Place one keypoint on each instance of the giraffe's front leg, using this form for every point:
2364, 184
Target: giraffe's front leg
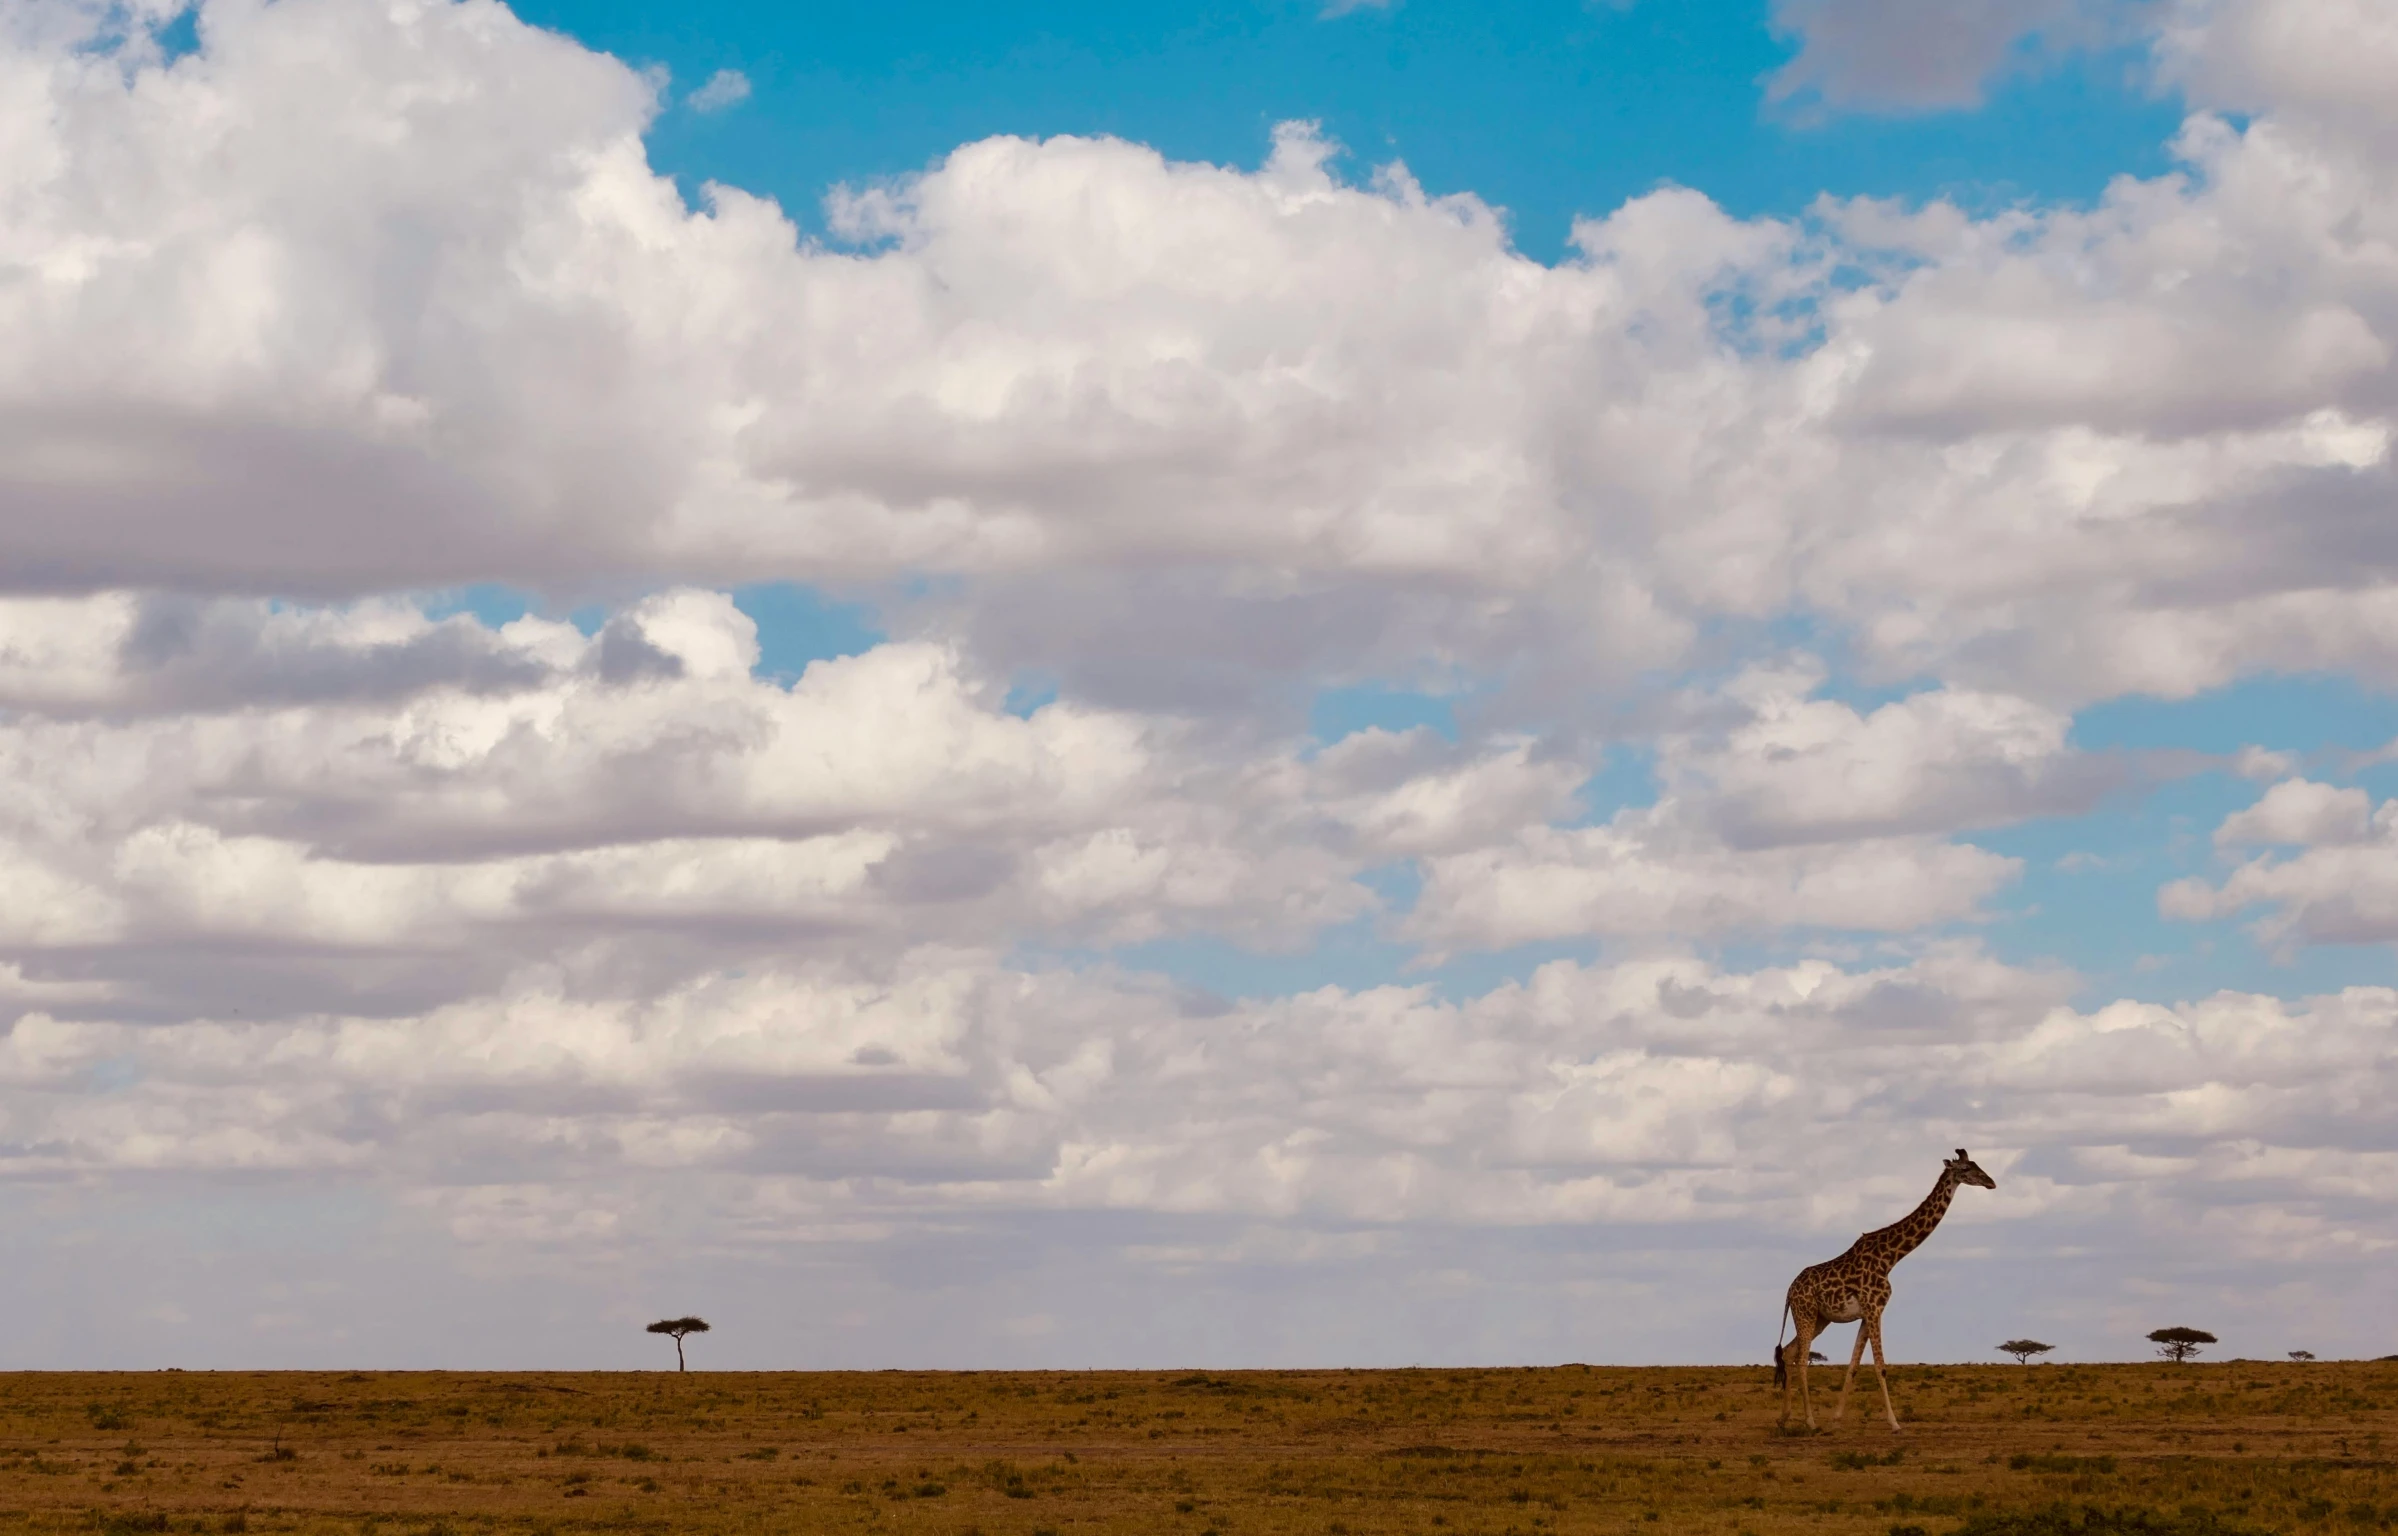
1872, 1329
1855, 1353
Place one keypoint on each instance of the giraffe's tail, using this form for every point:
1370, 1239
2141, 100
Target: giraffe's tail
1781, 1365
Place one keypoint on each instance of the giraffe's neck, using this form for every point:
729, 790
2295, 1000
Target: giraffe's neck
1894, 1242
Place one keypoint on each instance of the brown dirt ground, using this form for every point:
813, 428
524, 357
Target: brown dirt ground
2231, 1446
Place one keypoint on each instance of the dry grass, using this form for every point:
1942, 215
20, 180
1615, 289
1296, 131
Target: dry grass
2231, 1447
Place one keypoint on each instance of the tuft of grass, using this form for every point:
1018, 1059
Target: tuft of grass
2061, 1521
2029, 1461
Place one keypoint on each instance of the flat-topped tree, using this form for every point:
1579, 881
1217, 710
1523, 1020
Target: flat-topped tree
2179, 1344
2024, 1349
2302, 1356
676, 1328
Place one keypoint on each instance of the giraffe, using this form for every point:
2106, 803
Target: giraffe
1855, 1287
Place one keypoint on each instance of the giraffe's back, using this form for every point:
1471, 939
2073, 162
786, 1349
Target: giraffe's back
1840, 1290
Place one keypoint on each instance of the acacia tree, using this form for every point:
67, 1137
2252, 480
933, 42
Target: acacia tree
676, 1328
2179, 1344
2302, 1355
2024, 1349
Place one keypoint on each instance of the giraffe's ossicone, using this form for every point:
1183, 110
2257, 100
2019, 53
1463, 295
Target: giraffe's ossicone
1855, 1287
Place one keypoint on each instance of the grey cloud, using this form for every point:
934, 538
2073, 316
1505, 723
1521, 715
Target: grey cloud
1922, 55
1209, 638
853, 1094
944, 872
351, 819
189, 655
2321, 64
2329, 529
2343, 890
1771, 765
108, 494
1173, 640
1572, 1099
1661, 872
170, 979
625, 654
2287, 573
1964, 797
1263, 424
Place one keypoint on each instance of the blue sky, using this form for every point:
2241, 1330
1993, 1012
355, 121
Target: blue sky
1070, 705
1552, 110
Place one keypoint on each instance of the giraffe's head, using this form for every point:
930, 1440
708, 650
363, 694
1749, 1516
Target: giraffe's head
1965, 1170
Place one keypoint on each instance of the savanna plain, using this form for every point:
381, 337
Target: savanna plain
1996, 1450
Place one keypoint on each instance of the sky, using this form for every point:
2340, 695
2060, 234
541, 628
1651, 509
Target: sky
1215, 684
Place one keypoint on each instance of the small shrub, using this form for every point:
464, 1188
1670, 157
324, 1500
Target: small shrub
2034, 1461
2058, 1520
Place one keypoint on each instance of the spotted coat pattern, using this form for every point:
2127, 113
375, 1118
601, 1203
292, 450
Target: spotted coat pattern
1855, 1287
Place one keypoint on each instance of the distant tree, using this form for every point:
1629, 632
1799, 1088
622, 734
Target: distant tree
2179, 1344
676, 1328
2024, 1349
1815, 1357
2302, 1354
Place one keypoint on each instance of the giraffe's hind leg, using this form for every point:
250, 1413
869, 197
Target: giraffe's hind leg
1872, 1328
1800, 1348
1794, 1364
1854, 1354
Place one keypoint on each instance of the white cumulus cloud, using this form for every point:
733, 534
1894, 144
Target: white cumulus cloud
524, 937
723, 89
